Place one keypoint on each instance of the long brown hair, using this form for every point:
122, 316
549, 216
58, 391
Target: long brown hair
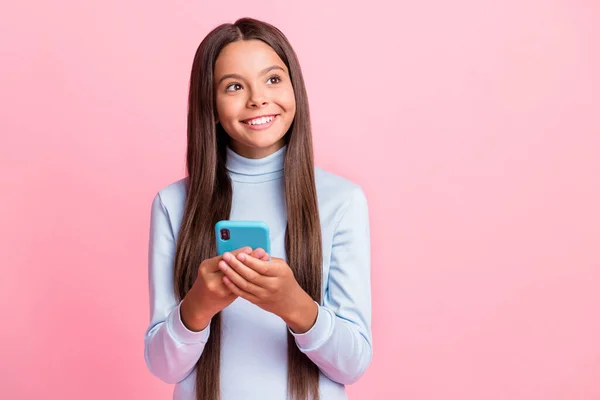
209, 193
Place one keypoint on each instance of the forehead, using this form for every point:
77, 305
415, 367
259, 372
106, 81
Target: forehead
246, 56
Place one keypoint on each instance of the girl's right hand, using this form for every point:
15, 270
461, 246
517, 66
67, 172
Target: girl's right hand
209, 294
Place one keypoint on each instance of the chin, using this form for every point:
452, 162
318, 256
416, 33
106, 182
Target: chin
261, 139
264, 144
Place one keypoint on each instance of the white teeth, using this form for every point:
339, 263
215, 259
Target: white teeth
259, 121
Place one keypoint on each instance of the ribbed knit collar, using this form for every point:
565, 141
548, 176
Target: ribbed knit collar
264, 169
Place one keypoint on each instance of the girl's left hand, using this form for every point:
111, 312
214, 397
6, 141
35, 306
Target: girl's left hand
271, 285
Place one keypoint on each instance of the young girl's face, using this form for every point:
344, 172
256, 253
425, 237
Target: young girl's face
254, 97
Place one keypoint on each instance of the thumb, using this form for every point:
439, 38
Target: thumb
246, 250
214, 265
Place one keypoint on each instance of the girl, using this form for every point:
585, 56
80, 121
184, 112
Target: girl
241, 327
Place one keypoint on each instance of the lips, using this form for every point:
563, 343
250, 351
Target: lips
261, 123
262, 119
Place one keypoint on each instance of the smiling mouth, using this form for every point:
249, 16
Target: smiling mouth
264, 120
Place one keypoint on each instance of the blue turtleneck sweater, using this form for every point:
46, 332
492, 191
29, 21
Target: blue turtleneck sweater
254, 341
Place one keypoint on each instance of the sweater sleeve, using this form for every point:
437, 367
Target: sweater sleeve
340, 341
170, 349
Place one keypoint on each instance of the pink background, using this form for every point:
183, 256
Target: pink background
473, 127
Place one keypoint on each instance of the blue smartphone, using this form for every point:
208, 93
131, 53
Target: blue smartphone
232, 235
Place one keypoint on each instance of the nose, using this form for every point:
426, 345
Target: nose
257, 98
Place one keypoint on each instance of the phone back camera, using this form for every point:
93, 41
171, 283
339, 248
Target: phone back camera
225, 234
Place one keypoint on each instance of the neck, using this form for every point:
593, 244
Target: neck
246, 169
256, 152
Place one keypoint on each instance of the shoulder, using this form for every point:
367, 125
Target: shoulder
334, 186
336, 194
168, 206
173, 196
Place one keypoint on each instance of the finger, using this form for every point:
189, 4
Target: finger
247, 273
261, 254
258, 253
212, 264
264, 268
238, 279
239, 292
246, 249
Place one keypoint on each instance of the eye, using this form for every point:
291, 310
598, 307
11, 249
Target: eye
273, 79
234, 87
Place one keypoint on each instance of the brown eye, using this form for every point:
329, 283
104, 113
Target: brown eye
234, 87
274, 79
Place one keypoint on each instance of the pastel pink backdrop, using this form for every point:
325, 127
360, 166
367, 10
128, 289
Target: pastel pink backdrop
472, 126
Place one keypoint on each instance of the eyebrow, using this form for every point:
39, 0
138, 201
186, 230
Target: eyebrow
236, 76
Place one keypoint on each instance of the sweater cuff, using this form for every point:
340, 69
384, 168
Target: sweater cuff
318, 333
180, 333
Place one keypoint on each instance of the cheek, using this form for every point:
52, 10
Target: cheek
220, 108
289, 101
225, 108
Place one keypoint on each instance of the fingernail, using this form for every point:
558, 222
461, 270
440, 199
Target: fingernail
241, 256
226, 256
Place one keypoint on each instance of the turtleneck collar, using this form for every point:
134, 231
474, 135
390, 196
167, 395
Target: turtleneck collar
264, 169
